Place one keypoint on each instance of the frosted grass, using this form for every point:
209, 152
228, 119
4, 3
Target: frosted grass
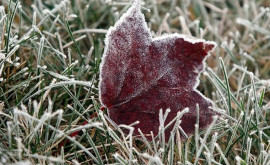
47, 90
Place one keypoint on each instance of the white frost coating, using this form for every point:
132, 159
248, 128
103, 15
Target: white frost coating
75, 162
116, 155
13, 50
185, 38
224, 44
136, 5
2, 19
2, 56
73, 16
46, 11
17, 64
126, 127
193, 41
48, 158
155, 158
95, 124
25, 162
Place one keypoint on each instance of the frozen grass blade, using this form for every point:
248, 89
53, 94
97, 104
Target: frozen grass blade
120, 159
10, 24
10, 53
60, 133
221, 153
74, 41
94, 148
240, 161
229, 146
198, 153
227, 87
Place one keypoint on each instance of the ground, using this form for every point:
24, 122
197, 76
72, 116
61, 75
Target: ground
50, 52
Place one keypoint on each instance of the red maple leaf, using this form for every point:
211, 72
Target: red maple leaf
141, 75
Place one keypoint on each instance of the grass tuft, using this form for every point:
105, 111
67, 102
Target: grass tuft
50, 53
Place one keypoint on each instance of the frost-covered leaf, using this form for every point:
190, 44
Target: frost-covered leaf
141, 75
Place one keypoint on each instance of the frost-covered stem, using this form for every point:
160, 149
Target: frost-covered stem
266, 159
50, 107
205, 138
223, 113
111, 132
240, 161
183, 132
261, 155
204, 145
155, 159
120, 159
216, 85
146, 141
45, 94
9, 125
71, 42
213, 141
125, 138
153, 140
222, 154
89, 55
171, 140
197, 136
34, 18
63, 155
41, 122
171, 151
240, 84
60, 133
234, 132
156, 13
184, 26
36, 110
60, 84
10, 53
19, 146
40, 50
161, 129
186, 110
186, 151
86, 126
163, 24
48, 158
16, 123
179, 145
54, 10
166, 114
130, 146
227, 86
258, 110
208, 157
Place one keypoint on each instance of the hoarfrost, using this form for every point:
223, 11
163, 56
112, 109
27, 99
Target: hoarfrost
141, 75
